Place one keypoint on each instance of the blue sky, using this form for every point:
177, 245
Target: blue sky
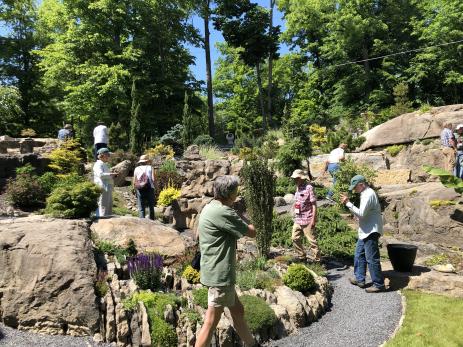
199, 69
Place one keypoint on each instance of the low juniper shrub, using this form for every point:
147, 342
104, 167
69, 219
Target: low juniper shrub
146, 269
258, 314
200, 297
299, 278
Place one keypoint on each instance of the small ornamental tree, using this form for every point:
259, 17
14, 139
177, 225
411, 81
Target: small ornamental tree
259, 187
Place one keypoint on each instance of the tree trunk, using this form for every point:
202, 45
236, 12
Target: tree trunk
270, 70
207, 48
261, 97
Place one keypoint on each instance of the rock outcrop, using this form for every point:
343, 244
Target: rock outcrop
413, 126
122, 170
148, 235
410, 213
46, 278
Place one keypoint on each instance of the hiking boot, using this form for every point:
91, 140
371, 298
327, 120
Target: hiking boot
374, 289
354, 281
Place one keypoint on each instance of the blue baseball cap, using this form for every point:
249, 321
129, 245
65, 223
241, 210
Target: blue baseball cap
356, 180
102, 150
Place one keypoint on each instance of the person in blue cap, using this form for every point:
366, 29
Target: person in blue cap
369, 232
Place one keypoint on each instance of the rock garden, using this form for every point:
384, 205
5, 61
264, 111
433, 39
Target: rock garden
128, 281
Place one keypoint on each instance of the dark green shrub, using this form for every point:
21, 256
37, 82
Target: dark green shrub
48, 182
320, 191
192, 316
77, 201
290, 157
173, 137
25, 191
282, 230
335, 237
203, 140
258, 314
26, 169
259, 189
299, 278
284, 185
162, 333
200, 297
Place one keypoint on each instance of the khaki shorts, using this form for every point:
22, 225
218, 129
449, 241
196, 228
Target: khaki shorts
221, 296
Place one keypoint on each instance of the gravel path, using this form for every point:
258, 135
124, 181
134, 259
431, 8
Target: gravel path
14, 338
356, 318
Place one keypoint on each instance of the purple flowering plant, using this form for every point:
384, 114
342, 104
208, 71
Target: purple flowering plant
146, 269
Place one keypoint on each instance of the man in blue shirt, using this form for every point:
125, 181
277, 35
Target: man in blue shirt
65, 133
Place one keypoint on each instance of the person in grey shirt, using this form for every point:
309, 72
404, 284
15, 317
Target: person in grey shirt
370, 229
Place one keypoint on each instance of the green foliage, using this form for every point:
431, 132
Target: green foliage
394, 150
191, 275
25, 191
335, 237
27, 169
290, 156
192, 316
203, 140
210, 152
68, 158
446, 178
48, 182
10, 110
120, 206
168, 166
163, 180
162, 333
441, 203
259, 279
200, 297
77, 201
338, 136
318, 268
349, 169
437, 259
299, 278
173, 138
118, 139
402, 103
257, 314
282, 229
320, 191
259, 188
284, 185
168, 195
101, 283
162, 151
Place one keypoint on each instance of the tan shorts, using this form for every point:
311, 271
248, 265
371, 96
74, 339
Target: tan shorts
221, 296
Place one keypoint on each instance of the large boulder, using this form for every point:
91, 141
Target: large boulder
413, 126
46, 278
122, 170
200, 176
148, 235
426, 212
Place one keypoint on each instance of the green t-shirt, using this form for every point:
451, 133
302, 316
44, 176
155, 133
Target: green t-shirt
219, 228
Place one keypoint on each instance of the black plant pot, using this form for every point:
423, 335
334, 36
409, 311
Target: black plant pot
402, 256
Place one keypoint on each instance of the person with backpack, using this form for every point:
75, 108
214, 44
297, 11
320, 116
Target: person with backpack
143, 182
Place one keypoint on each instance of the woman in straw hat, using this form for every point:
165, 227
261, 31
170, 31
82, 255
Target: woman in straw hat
143, 182
305, 212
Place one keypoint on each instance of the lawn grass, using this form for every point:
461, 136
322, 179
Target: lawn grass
430, 320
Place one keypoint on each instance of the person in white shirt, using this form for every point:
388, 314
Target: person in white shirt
370, 230
143, 182
103, 178
100, 137
333, 164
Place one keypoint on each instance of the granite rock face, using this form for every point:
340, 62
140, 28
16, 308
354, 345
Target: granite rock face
46, 278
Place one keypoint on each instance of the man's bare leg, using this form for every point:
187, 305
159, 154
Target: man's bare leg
204, 337
240, 325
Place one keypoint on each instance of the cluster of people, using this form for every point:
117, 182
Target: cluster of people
452, 148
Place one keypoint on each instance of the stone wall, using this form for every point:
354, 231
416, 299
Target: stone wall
9, 163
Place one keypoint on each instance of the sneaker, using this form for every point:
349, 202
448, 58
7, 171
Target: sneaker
374, 289
354, 281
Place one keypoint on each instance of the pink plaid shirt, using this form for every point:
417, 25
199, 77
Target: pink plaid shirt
306, 198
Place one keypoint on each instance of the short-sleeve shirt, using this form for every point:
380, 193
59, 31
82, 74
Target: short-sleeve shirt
336, 155
100, 134
148, 170
219, 228
64, 134
307, 200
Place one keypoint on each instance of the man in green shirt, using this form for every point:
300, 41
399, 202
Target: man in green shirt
219, 228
